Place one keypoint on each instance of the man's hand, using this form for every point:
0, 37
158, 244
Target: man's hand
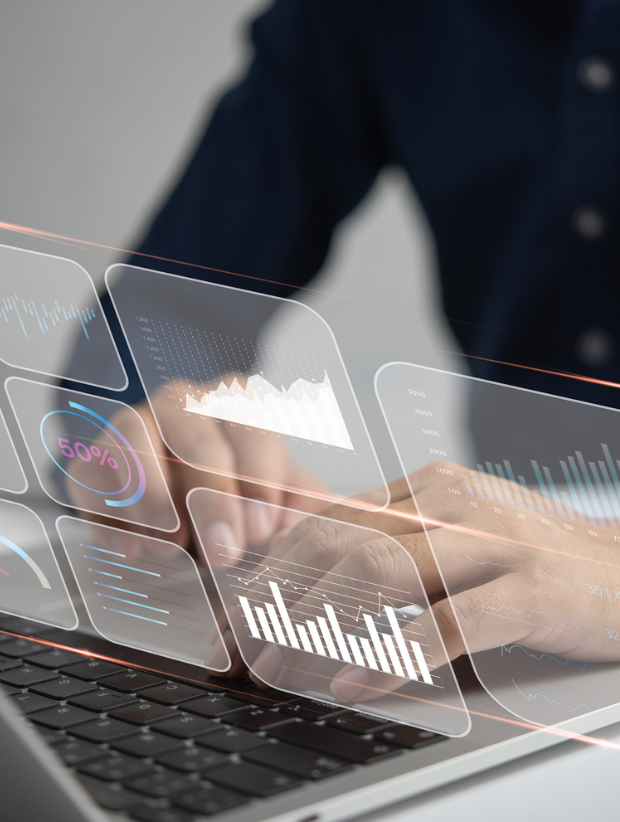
513, 576
239, 454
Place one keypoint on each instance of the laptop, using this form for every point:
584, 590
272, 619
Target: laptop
108, 711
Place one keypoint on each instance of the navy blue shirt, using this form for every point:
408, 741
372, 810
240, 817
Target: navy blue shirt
505, 114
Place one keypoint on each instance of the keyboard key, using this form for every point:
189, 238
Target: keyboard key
299, 761
6, 663
231, 740
309, 710
60, 717
262, 697
146, 814
212, 705
253, 779
110, 799
186, 726
160, 784
29, 703
142, 712
51, 737
145, 744
92, 669
131, 681
409, 737
102, 700
102, 730
25, 676
171, 693
77, 751
55, 658
114, 767
192, 760
333, 742
22, 647
255, 719
208, 799
359, 723
62, 688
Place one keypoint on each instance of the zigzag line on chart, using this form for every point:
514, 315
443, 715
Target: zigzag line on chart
528, 615
580, 665
285, 582
530, 697
553, 578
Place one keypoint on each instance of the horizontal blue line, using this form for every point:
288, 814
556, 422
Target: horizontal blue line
124, 590
146, 619
129, 567
105, 574
94, 548
137, 604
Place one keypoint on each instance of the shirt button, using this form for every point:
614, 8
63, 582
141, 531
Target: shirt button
588, 222
595, 74
595, 347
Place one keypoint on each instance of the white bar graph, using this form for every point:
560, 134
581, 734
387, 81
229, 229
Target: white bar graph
379, 651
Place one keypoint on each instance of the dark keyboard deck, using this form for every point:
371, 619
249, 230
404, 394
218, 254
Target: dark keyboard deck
165, 750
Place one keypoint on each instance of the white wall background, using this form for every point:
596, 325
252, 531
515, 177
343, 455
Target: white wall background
100, 103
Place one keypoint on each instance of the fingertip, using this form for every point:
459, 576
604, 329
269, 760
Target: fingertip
260, 520
221, 544
350, 685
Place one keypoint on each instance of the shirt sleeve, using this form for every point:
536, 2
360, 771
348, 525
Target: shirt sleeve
286, 155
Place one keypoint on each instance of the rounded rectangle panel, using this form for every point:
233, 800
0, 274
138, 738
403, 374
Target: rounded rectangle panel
93, 454
142, 592
210, 381
51, 320
337, 612
31, 583
519, 494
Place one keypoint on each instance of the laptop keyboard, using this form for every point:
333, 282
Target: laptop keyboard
167, 750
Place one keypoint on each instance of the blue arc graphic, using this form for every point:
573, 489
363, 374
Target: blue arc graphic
93, 414
41, 576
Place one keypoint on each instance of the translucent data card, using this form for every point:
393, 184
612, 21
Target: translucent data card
210, 380
523, 515
142, 592
92, 454
12, 477
31, 584
51, 320
337, 612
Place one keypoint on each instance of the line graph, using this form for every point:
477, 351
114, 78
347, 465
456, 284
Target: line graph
352, 621
308, 410
33, 317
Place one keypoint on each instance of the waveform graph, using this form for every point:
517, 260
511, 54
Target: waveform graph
205, 361
92, 454
142, 593
308, 410
51, 320
31, 582
317, 621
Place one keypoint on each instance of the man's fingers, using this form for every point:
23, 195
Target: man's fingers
474, 620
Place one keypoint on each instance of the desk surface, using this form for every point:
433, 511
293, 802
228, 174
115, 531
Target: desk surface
571, 781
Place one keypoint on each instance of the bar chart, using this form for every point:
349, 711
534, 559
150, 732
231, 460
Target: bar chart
351, 621
584, 490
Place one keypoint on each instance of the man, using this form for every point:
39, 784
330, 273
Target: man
504, 115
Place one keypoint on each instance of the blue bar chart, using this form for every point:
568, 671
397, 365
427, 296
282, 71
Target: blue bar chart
584, 490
